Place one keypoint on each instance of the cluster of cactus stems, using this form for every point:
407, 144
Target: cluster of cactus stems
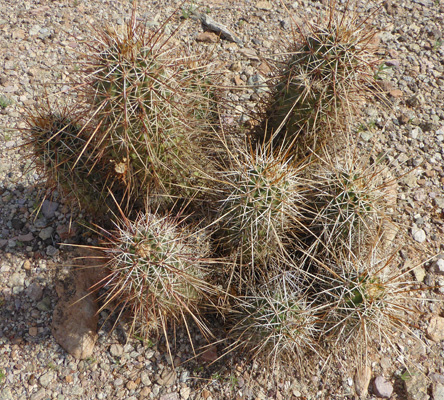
285, 246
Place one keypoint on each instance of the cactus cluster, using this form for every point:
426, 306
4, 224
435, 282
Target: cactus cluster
286, 246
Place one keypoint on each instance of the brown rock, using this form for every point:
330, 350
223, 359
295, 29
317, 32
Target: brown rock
33, 331
66, 231
170, 396
264, 68
18, 34
206, 394
264, 5
131, 385
26, 238
145, 392
251, 54
362, 380
238, 81
396, 93
167, 377
207, 37
435, 330
75, 317
209, 354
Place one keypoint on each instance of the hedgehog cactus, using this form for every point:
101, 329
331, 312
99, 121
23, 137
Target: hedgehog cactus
152, 105
276, 320
328, 69
364, 299
157, 270
57, 138
264, 201
351, 202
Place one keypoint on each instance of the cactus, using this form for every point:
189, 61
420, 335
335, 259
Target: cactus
57, 138
351, 200
276, 320
157, 270
365, 299
329, 67
152, 105
264, 201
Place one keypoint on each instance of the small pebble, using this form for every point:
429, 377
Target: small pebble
419, 235
382, 387
435, 330
116, 350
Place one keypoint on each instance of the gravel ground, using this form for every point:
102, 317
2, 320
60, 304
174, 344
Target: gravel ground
38, 38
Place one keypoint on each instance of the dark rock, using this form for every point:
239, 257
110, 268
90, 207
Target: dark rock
17, 224
34, 291
49, 208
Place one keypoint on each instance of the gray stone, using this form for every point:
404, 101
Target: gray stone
52, 251
39, 395
215, 26
184, 376
45, 304
258, 82
116, 350
170, 396
44, 33
439, 265
416, 386
6, 394
437, 378
418, 234
145, 378
40, 223
17, 279
439, 202
155, 389
46, 379
382, 387
185, 393
435, 330
26, 238
77, 390
426, 3
438, 391
410, 180
167, 377
366, 135
415, 133
440, 284
46, 233
34, 291
49, 208
34, 30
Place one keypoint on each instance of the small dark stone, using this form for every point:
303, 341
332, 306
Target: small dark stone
17, 224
